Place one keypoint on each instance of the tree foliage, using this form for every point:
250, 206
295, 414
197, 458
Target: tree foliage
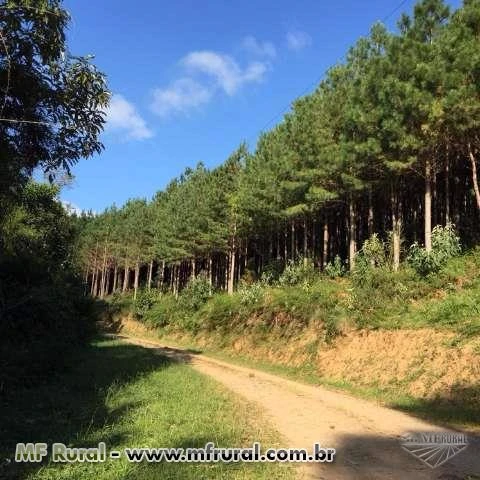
52, 104
385, 148
52, 110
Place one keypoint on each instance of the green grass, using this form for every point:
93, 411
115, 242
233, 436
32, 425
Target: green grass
460, 410
127, 396
378, 299
447, 300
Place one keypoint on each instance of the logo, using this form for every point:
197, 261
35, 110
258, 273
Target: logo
434, 448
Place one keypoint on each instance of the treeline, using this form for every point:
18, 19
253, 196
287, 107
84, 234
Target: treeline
388, 143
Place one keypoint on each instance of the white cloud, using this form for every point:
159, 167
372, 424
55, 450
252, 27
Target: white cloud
123, 116
183, 94
265, 49
225, 71
71, 208
205, 73
296, 40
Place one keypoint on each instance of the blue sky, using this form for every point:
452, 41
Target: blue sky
192, 79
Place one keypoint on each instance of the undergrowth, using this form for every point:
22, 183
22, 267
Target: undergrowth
373, 296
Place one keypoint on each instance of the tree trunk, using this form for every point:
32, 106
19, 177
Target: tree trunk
293, 245
94, 270
107, 282
396, 230
428, 206
351, 235
85, 281
115, 279
225, 276
216, 273
231, 267
102, 282
104, 271
245, 261
177, 280
194, 266
370, 213
305, 242
174, 279
434, 199
150, 274
161, 274
95, 282
135, 281
325, 244
474, 176
447, 191
285, 245
125, 277
239, 268
210, 272
314, 239
415, 216
455, 200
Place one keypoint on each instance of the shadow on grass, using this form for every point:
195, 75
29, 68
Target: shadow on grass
72, 403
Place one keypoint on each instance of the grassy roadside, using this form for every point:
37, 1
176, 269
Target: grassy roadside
459, 415
407, 341
127, 396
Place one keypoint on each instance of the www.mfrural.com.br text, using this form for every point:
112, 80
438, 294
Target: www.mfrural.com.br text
60, 453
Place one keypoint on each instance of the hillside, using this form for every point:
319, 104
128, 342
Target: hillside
411, 342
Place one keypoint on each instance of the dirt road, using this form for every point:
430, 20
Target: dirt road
366, 436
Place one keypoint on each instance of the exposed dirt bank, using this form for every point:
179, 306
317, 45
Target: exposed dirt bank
365, 435
421, 364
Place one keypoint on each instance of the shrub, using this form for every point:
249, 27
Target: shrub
219, 311
165, 311
336, 268
421, 261
445, 242
378, 285
297, 272
445, 245
331, 329
272, 271
144, 301
250, 294
316, 302
371, 256
373, 251
195, 294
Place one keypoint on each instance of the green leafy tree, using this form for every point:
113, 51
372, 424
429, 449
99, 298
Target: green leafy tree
52, 104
